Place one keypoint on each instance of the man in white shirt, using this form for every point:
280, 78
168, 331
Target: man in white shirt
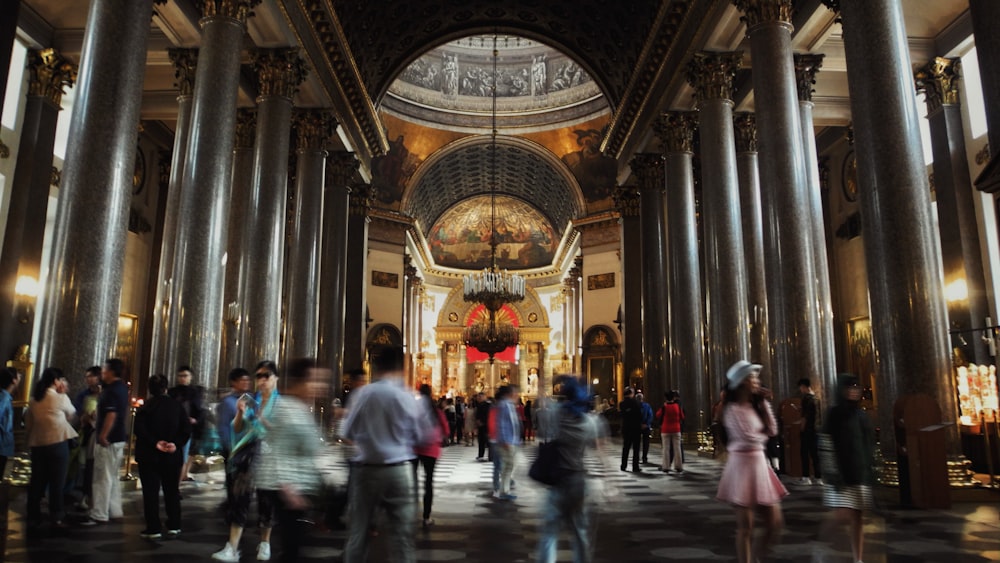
383, 424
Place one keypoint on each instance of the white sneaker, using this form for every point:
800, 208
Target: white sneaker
804, 481
227, 553
264, 551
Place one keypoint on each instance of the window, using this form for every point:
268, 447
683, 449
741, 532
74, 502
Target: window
973, 91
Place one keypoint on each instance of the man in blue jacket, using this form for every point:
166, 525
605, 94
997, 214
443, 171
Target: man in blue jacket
508, 437
647, 425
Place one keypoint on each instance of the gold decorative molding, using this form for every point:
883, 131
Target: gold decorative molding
4, 150
246, 128
711, 74
236, 9
48, 73
314, 128
806, 67
648, 169
627, 201
185, 63
745, 129
676, 130
279, 72
758, 12
982, 157
362, 199
56, 177
340, 167
938, 80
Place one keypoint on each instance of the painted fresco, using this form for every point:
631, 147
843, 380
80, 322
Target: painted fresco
391, 171
595, 172
461, 237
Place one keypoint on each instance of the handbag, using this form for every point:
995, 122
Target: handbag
545, 469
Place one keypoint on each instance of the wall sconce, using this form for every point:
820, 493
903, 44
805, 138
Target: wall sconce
957, 290
25, 293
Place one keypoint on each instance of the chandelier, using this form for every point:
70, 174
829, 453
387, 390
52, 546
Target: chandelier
492, 287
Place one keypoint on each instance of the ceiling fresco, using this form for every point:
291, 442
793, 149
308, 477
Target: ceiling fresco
461, 238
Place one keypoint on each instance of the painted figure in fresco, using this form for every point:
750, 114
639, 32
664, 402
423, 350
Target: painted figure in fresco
594, 171
391, 171
538, 75
450, 71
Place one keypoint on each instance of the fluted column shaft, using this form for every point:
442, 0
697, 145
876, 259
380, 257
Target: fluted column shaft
79, 316
627, 201
332, 299
29, 194
280, 72
726, 277
909, 323
164, 313
686, 335
649, 171
356, 282
203, 227
314, 130
960, 250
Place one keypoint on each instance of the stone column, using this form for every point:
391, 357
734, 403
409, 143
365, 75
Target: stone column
806, 67
411, 292
185, 62
627, 202
745, 127
79, 314
280, 71
362, 198
341, 166
231, 354
909, 317
314, 131
202, 222
712, 75
649, 172
960, 250
49, 73
793, 324
686, 337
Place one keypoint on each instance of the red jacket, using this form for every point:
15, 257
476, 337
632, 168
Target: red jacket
432, 448
672, 416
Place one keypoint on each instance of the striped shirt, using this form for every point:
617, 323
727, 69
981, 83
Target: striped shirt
288, 453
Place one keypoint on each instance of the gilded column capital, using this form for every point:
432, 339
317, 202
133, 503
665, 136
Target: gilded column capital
48, 73
362, 199
246, 128
758, 12
711, 74
676, 130
938, 80
745, 128
279, 72
314, 128
236, 9
626, 201
340, 167
806, 67
648, 169
185, 63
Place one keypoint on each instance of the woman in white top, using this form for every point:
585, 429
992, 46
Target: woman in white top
49, 432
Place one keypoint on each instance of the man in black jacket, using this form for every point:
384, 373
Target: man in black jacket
162, 427
631, 413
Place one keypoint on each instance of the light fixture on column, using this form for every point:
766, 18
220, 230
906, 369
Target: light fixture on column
25, 293
492, 287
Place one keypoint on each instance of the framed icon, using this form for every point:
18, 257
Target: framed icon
849, 177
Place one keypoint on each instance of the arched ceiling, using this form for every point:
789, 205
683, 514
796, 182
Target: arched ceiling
523, 171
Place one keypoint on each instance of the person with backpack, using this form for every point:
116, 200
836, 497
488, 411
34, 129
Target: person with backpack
671, 416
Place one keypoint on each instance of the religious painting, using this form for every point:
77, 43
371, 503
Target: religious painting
861, 357
128, 338
392, 170
596, 173
461, 237
385, 279
601, 281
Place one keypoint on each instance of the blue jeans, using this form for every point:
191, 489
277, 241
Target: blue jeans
495, 457
566, 504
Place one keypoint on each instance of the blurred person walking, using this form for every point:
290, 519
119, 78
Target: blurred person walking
435, 424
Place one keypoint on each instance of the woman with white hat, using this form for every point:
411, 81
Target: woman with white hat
747, 482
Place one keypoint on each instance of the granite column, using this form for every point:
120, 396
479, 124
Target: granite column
627, 201
356, 285
341, 167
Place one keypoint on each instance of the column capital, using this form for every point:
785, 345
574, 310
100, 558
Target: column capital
676, 130
48, 73
745, 128
648, 169
938, 80
806, 67
279, 71
711, 74
314, 128
362, 198
626, 201
185, 63
236, 9
246, 128
833, 5
758, 12
340, 167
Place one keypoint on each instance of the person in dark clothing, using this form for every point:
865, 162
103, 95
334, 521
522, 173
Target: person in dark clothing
191, 399
162, 427
646, 430
482, 426
808, 447
460, 410
631, 416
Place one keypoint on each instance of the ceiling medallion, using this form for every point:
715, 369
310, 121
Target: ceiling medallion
492, 287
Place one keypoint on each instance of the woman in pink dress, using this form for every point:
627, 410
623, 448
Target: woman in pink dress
747, 482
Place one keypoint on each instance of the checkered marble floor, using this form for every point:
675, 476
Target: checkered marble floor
636, 517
